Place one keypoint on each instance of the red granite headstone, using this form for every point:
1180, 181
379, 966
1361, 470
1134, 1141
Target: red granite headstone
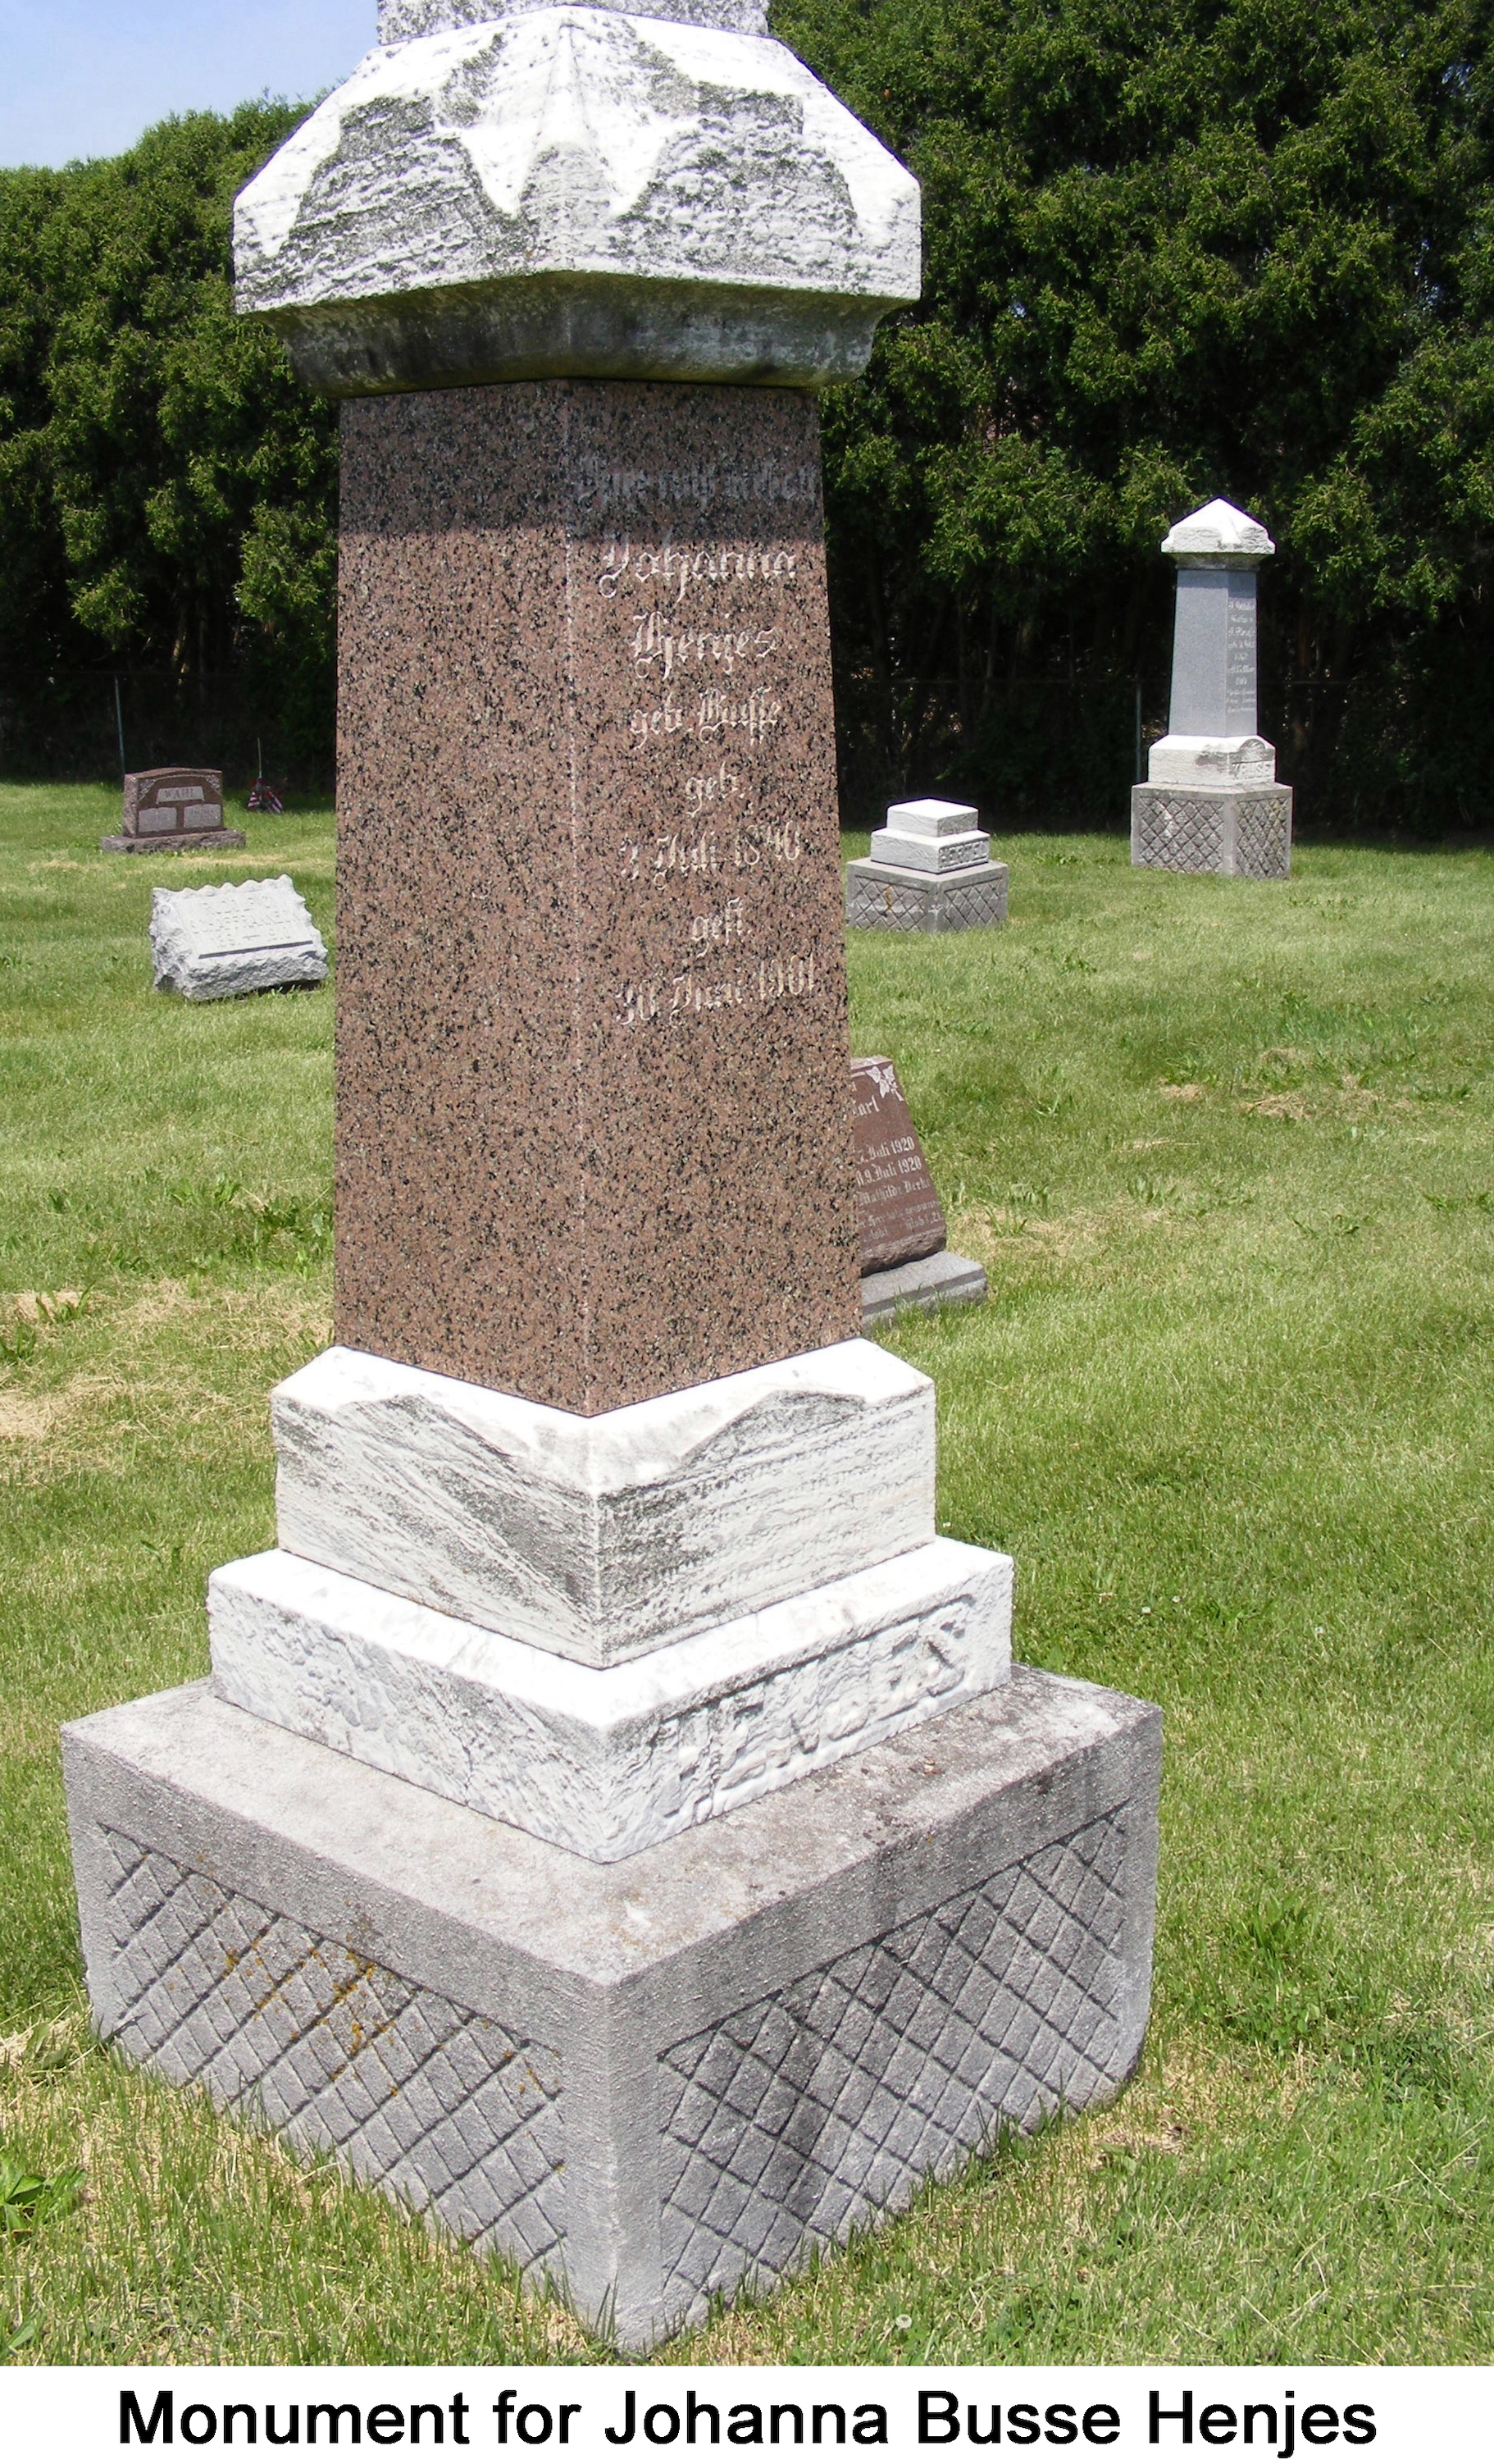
173, 808
163, 803
898, 1215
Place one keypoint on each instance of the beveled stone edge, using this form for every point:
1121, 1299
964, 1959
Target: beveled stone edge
602, 1539
867, 867
725, 16
942, 1280
620, 1928
634, 327
606, 1735
1239, 791
608, 1453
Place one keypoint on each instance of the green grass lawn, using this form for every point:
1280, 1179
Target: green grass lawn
1225, 1152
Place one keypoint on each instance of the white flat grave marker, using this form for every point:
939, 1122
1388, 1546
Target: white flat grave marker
249, 937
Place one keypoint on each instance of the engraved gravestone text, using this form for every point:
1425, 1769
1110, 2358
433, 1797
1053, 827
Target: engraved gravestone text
706, 626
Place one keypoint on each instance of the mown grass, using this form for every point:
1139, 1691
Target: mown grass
1225, 1151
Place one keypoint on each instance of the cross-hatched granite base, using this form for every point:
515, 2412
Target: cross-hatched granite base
888, 898
1244, 831
648, 2081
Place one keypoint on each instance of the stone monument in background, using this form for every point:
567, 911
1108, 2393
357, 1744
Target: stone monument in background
172, 810
614, 1822
930, 870
1212, 802
906, 1261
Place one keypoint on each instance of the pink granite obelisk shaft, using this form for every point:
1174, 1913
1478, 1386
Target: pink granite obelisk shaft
594, 1120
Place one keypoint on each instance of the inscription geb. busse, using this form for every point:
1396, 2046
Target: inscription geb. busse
711, 637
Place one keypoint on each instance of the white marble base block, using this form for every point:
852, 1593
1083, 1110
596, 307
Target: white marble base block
608, 1762
602, 1539
1212, 762
931, 854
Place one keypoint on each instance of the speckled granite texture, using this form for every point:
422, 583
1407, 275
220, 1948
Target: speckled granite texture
594, 1136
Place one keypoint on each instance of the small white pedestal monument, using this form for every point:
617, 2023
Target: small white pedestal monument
929, 872
1210, 802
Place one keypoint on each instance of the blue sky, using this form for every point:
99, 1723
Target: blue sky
85, 76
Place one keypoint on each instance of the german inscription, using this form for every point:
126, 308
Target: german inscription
1240, 656
713, 637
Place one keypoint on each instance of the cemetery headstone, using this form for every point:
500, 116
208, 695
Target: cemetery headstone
1212, 802
167, 810
930, 870
905, 1260
611, 1715
250, 936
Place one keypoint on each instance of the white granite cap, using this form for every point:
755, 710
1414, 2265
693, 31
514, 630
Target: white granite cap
1219, 528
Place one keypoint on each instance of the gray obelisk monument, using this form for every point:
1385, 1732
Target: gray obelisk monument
1210, 802
614, 1821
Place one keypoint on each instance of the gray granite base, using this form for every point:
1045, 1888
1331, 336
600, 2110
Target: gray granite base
890, 898
172, 843
1238, 831
943, 1280
651, 2081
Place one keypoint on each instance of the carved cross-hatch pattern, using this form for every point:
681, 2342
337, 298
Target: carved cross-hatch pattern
1181, 833
898, 906
802, 2113
1263, 838
411, 2090
892, 904
966, 904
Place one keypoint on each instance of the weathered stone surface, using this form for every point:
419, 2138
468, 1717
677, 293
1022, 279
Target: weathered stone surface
594, 1147
894, 898
898, 1214
930, 855
1211, 803
251, 937
571, 192
931, 817
593, 1111
1218, 532
401, 20
1204, 830
601, 1538
930, 836
944, 1281
1212, 762
608, 1761
738, 2044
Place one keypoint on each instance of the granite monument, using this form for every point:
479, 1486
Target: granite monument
906, 1261
1211, 801
930, 870
167, 810
615, 1822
